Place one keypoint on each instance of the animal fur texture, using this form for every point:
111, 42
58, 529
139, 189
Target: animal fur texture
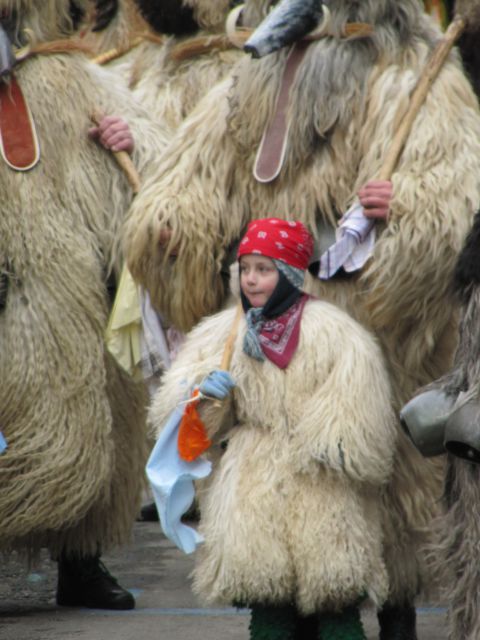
291, 513
346, 103
171, 88
72, 474
121, 31
48, 19
459, 534
166, 87
210, 14
457, 530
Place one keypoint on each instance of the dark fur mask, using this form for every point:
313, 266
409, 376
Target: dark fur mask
106, 11
76, 13
168, 16
467, 271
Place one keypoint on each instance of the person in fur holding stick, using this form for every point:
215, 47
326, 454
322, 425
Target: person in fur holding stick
346, 98
291, 515
71, 476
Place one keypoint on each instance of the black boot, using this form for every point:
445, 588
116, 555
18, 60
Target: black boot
83, 581
397, 623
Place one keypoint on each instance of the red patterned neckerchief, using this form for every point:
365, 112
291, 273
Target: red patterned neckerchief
279, 336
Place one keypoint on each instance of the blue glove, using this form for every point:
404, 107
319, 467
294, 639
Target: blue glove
217, 384
3, 443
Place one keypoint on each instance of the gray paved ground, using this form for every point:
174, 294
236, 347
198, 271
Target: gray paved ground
157, 574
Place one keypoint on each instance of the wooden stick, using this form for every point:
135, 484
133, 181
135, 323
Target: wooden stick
230, 342
123, 159
432, 68
228, 348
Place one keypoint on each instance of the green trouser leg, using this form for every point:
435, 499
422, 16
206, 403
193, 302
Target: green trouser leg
344, 625
273, 623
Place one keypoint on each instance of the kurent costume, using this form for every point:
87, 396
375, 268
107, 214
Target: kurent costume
445, 415
346, 100
72, 474
291, 516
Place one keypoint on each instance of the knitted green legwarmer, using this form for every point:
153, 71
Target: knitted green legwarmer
273, 623
344, 625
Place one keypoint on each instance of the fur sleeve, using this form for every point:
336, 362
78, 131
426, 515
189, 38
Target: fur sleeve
436, 192
347, 422
200, 354
150, 137
190, 194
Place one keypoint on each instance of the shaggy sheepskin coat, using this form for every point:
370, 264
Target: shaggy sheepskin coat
291, 512
72, 474
458, 529
170, 88
346, 102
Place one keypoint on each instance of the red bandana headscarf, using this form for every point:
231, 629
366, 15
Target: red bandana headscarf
271, 335
284, 240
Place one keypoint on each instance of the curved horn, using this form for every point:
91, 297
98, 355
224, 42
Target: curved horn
7, 57
288, 22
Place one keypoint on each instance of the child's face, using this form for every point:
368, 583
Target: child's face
258, 278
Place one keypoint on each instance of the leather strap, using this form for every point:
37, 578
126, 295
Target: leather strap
19, 145
273, 146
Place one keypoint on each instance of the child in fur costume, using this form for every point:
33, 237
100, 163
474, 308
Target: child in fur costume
344, 106
291, 514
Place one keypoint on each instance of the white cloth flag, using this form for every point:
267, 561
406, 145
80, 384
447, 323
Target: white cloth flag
355, 241
158, 346
171, 480
154, 345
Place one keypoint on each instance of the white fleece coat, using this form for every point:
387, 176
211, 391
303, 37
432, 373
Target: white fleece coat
292, 510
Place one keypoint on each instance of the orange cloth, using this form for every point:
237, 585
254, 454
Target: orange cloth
192, 435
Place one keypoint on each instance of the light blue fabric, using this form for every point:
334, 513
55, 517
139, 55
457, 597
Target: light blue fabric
3, 443
171, 479
217, 384
251, 341
294, 275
